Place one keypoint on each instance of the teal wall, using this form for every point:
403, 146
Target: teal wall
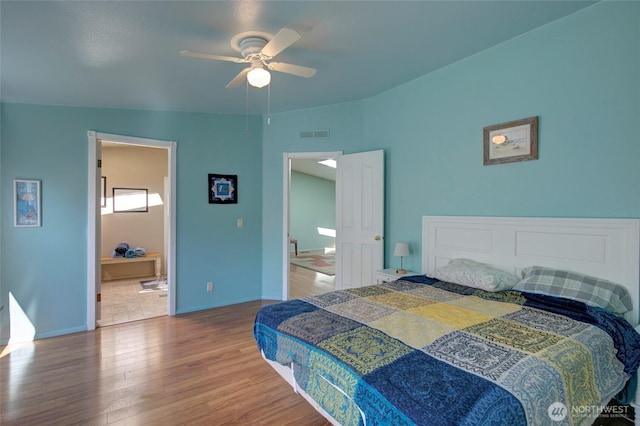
45, 268
312, 204
580, 75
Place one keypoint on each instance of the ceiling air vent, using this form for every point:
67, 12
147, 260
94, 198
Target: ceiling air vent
314, 134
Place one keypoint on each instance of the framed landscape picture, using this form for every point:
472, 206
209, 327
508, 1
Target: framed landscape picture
512, 141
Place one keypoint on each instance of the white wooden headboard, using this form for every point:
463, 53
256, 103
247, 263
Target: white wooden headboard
604, 248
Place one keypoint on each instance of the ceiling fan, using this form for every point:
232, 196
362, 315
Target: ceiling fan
258, 49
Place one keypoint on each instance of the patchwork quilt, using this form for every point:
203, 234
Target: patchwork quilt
423, 352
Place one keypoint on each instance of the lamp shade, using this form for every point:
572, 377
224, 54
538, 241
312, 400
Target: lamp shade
259, 77
402, 249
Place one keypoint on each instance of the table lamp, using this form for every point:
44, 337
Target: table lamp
402, 250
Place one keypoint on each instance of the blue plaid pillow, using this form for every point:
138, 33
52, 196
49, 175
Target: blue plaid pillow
572, 285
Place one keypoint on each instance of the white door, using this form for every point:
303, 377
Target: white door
359, 218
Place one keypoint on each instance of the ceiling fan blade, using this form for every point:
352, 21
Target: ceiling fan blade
298, 70
211, 56
283, 39
238, 79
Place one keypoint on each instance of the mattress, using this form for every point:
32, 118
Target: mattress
418, 351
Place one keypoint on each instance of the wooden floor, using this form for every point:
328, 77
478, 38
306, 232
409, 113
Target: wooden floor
305, 282
200, 368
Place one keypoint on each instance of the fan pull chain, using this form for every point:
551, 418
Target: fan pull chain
246, 111
269, 104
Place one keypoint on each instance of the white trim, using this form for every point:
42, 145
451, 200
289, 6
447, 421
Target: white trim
171, 237
92, 211
92, 254
286, 184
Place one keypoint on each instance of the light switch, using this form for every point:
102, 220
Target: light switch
240, 222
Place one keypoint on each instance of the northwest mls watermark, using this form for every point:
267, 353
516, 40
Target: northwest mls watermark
558, 411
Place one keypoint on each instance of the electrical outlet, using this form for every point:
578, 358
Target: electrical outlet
210, 286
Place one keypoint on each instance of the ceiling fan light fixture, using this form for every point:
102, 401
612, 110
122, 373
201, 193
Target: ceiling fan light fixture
259, 77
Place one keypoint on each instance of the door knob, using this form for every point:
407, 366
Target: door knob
377, 238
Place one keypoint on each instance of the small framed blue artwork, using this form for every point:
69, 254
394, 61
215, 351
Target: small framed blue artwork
223, 189
26, 203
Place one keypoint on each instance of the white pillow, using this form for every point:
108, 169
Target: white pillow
475, 274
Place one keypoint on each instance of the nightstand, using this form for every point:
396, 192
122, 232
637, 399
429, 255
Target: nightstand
389, 274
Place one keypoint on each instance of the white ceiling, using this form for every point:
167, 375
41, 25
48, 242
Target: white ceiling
125, 54
313, 168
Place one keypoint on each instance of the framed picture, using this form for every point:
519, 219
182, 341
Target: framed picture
26, 203
223, 189
127, 200
103, 191
512, 141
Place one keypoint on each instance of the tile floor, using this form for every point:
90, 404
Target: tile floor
125, 300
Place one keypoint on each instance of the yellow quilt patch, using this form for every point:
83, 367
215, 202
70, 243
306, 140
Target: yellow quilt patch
414, 330
450, 315
486, 307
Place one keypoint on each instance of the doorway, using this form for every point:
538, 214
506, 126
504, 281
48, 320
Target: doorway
302, 162
132, 231
359, 216
312, 230
96, 197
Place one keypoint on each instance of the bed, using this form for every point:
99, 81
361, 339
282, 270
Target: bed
466, 342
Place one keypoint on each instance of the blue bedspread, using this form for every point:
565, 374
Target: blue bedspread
419, 351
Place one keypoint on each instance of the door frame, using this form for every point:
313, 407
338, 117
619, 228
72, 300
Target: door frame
286, 186
93, 252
